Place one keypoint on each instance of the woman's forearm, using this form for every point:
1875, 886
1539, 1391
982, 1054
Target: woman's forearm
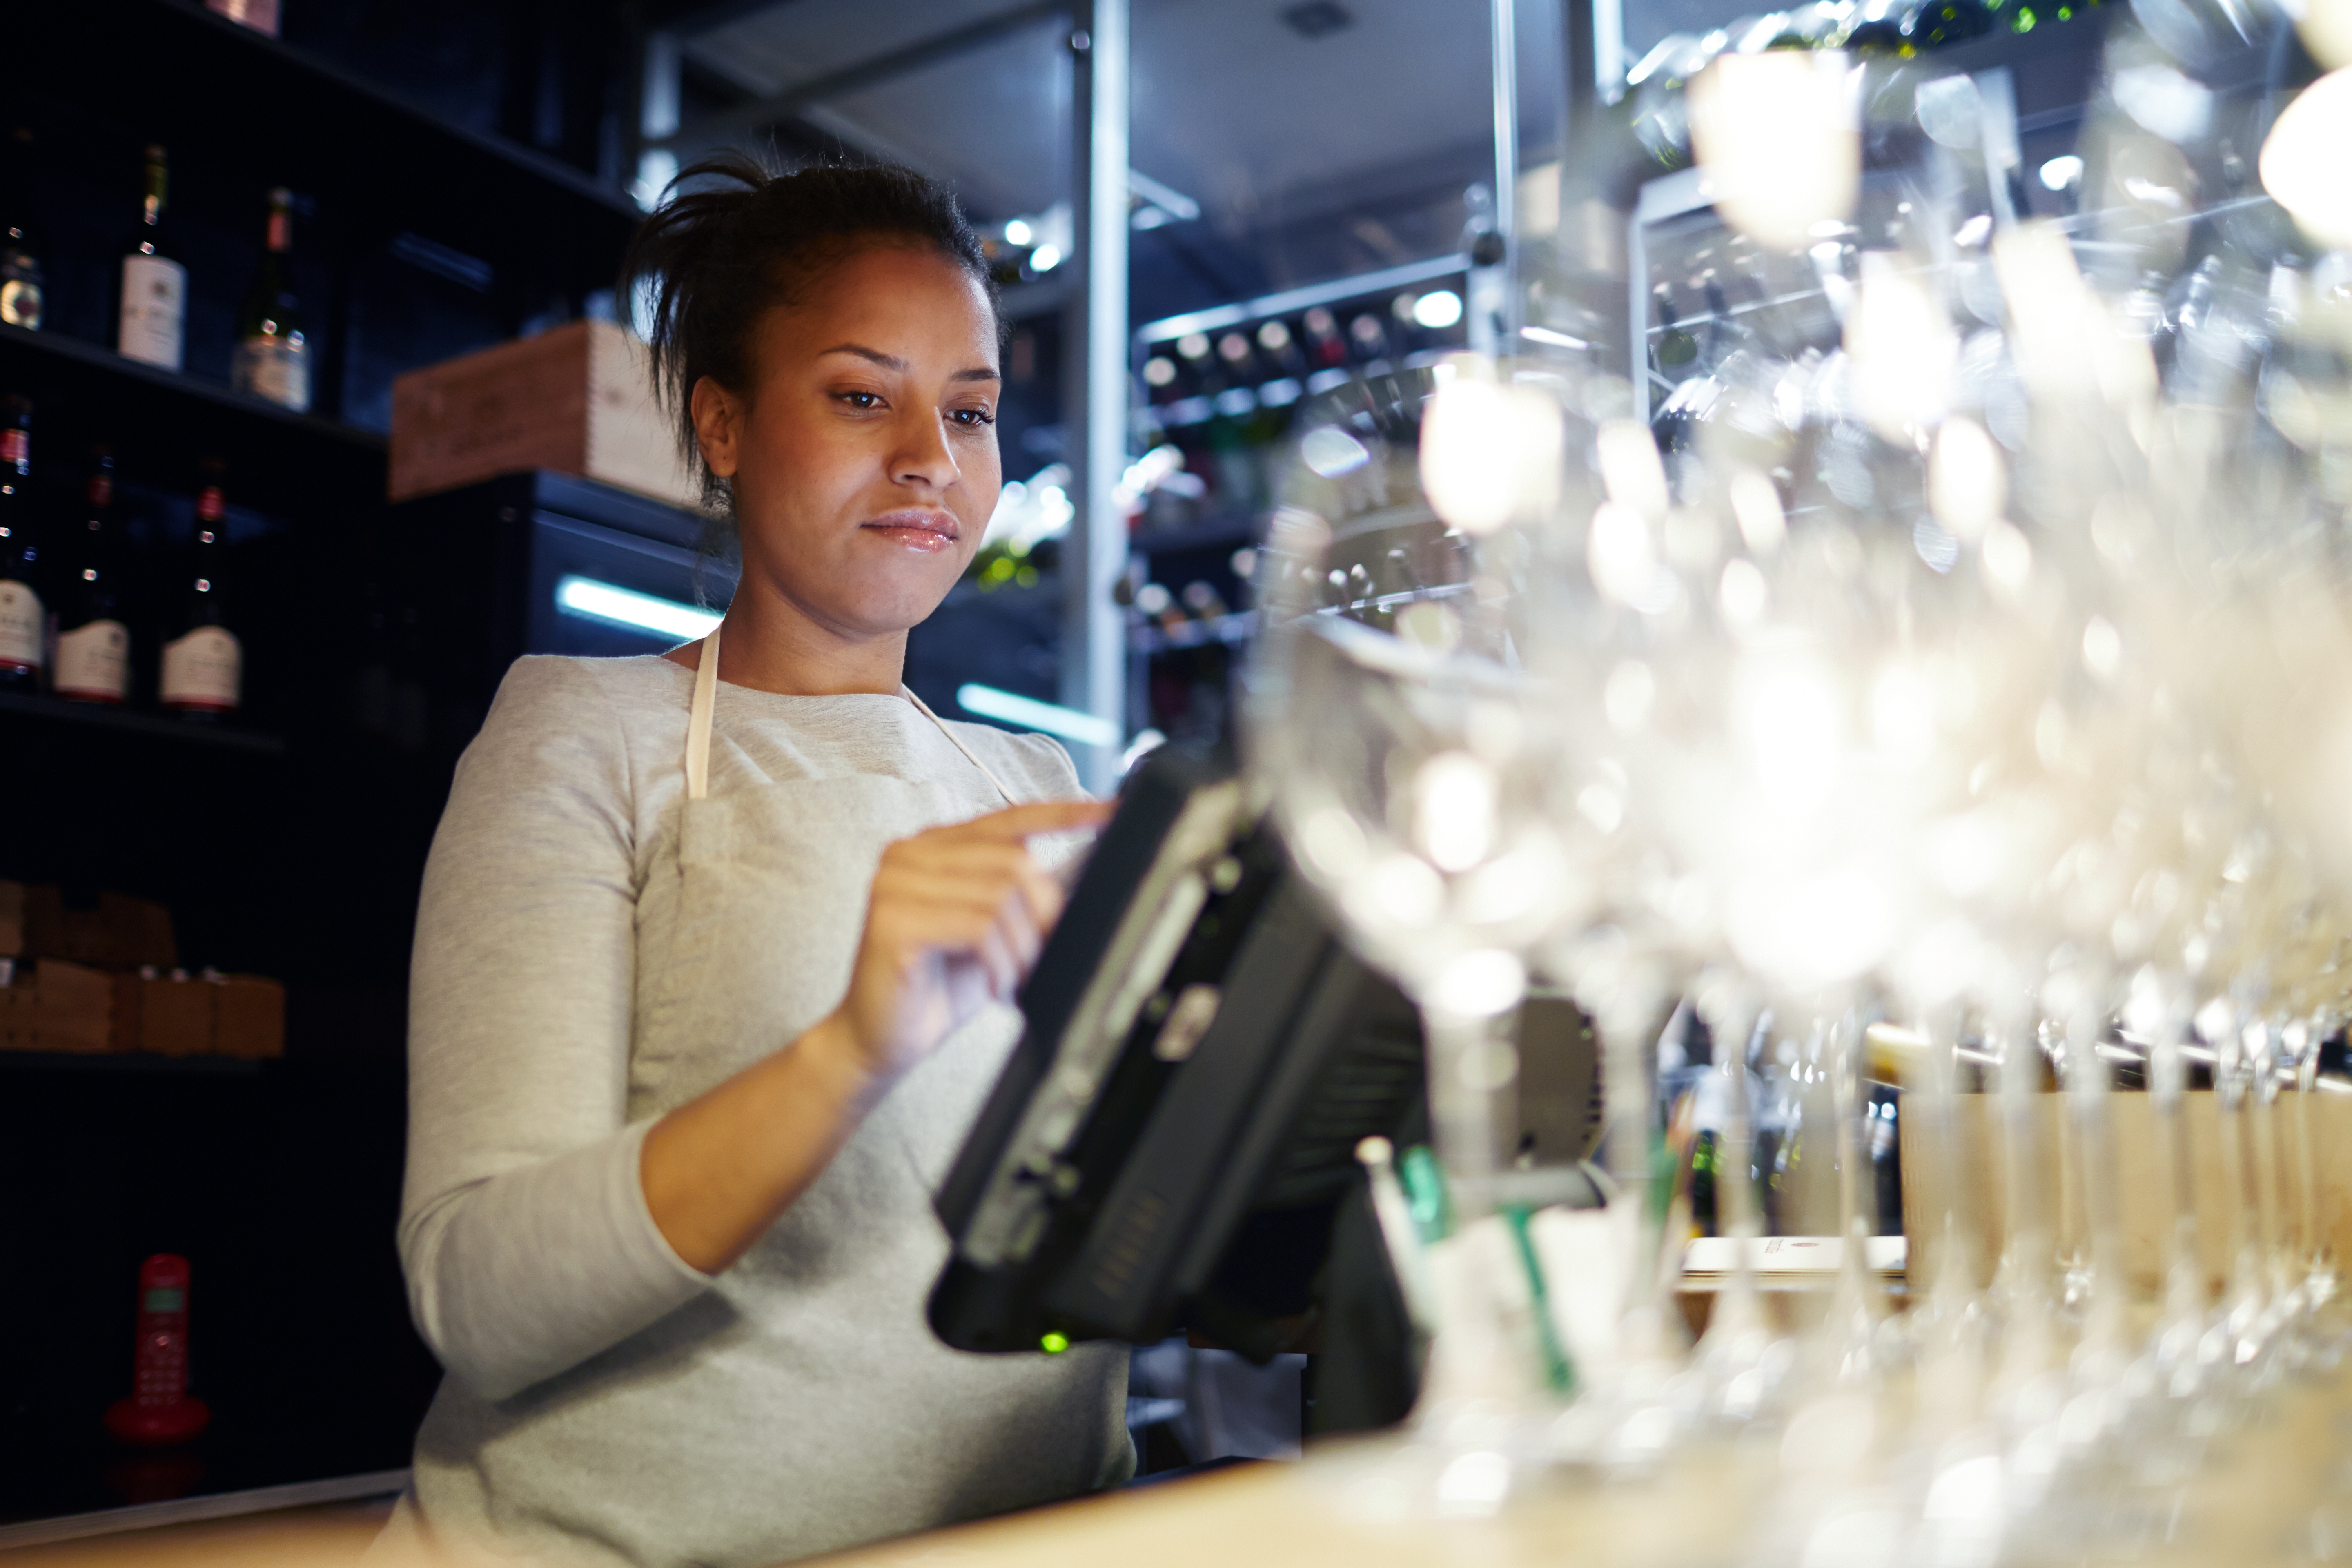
955, 917
721, 1168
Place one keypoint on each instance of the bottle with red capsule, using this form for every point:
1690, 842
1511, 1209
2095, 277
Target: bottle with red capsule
160, 1411
93, 646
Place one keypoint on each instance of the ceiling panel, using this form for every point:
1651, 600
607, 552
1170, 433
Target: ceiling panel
1241, 113
992, 121
1231, 106
796, 41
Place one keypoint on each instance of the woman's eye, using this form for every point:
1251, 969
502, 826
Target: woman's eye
972, 418
861, 400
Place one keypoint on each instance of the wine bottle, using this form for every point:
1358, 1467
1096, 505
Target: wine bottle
93, 663
153, 320
24, 626
203, 662
22, 294
1274, 338
1241, 360
1327, 348
273, 359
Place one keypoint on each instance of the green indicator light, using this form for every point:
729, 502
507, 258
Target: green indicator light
1053, 1343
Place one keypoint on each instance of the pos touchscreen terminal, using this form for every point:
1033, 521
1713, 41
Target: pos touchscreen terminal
1171, 1145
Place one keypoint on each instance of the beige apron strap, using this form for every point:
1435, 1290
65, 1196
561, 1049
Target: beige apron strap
698, 721
924, 709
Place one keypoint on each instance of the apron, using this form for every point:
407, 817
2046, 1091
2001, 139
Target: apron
771, 903
705, 694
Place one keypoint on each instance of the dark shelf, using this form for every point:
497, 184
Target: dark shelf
126, 1061
208, 83
94, 360
163, 422
1208, 533
18, 706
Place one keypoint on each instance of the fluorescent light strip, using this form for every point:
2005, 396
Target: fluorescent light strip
1557, 339
1027, 711
597, 601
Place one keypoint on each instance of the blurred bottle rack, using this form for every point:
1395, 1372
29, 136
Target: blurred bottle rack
1230, 630
1223, 385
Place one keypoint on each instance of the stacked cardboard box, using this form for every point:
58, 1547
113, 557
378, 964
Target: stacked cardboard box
107, 978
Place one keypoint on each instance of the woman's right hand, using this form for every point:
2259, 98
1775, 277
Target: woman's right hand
956, 918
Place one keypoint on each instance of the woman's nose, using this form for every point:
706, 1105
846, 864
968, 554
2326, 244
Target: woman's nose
923, 458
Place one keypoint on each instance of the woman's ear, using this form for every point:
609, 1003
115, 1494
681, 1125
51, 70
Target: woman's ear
717, 424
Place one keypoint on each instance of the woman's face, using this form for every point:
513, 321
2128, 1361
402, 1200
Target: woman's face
864, 458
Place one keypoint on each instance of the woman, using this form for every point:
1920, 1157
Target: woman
713, 957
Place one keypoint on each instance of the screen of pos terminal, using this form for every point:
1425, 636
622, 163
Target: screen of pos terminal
1171, 1145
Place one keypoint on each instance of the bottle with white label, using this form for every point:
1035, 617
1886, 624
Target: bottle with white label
203, 665
22, 294
93, 649
152, 324
24, 627
273, 358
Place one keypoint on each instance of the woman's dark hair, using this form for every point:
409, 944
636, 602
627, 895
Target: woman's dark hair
718, 257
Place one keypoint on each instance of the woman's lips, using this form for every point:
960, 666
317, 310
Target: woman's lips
926, 532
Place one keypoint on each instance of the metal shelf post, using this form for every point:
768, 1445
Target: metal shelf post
1094, 639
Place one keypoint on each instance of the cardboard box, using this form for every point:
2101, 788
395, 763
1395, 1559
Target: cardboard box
180, 1015
117, 932
55, 1005
248, 1016
578, 399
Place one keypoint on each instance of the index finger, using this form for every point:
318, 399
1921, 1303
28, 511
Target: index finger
1041, 817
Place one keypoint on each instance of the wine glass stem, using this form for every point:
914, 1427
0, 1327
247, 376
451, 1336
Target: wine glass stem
2271, 1166
1854, 1305
1737, 1310
1473, 1062
2093, 1131
2024, 1274
1931, 1115
2184, 1266
2231, 1080
2319, 1252
1629, 1092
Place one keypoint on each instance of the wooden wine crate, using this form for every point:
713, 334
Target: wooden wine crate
57, 1005
118, 931
181, 1015
54, 1005
1976, 1202
578, 399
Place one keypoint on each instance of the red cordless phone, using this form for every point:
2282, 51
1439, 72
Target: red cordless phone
159, 1411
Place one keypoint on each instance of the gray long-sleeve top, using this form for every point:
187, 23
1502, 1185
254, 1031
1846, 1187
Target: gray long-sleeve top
592, 949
